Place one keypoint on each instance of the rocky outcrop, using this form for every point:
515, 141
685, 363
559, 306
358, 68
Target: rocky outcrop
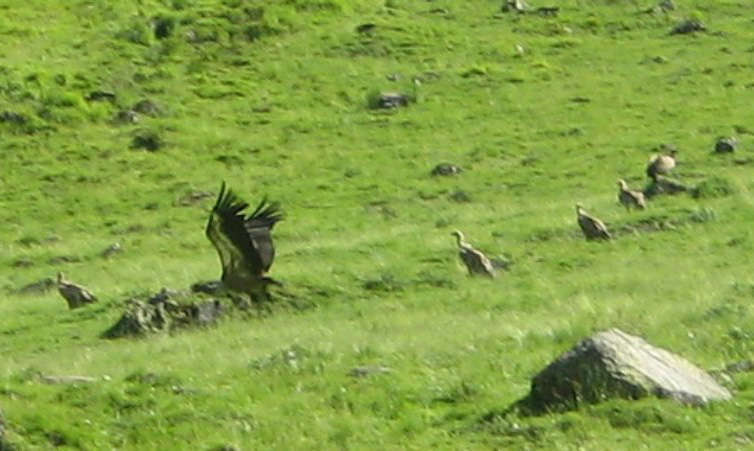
163, 312
614, 364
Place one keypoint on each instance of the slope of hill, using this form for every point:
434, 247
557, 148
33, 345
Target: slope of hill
119, 119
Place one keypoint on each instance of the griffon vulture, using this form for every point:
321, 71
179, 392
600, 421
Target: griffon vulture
476, 262
75, 295
630, 198
593, 228
244, 243
661, 164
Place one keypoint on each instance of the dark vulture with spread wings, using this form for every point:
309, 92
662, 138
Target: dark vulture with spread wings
244, 243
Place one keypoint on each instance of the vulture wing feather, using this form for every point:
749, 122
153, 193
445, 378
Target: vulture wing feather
258, 226
226, 230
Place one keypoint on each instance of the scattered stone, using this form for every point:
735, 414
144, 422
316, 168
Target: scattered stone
147, 140
193, 197
38, 287
688, 26
99, 96
126, 117
388, 100
112, 249
22, 263
13, 118
147, 107
664, 185
666, 5
551, 11
518, 6
162, 312
446, 169
208, 287
460, 196
613, 364
366, 28
163, 27
49, 379
368, 370
63, 259
726, 145
225, 448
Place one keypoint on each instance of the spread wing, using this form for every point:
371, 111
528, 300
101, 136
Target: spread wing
243, 243
258, 226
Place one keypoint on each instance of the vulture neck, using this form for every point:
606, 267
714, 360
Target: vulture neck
461, 243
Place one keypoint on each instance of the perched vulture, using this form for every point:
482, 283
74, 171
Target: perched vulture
475, 261
244, 243
593, 228
75, 295
661, 164
630, 198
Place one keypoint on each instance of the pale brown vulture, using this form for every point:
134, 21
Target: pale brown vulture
244, 243
476, 262
75, 295
661, 164
593, 228
630, 198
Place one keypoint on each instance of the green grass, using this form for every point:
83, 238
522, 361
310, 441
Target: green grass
273, 97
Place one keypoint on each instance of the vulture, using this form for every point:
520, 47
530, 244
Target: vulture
75, 295
630, 198
476, 262
661, 164
244, 243
593, 228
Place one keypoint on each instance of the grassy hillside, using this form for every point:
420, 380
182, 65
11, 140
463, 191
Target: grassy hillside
272, 97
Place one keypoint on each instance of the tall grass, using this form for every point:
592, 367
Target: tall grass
540, 113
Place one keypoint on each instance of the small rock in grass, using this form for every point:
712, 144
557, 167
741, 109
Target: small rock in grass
148, 140
208, 287
126, 117
112, 249
518, 6
37, 287
726, 145
688, 26
366, 28
460, 196
13, 117
446, 169
50, 379
99, 96
368, 370
388, 100
146, 106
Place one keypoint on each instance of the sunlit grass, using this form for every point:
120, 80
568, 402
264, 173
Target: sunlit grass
276, 102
